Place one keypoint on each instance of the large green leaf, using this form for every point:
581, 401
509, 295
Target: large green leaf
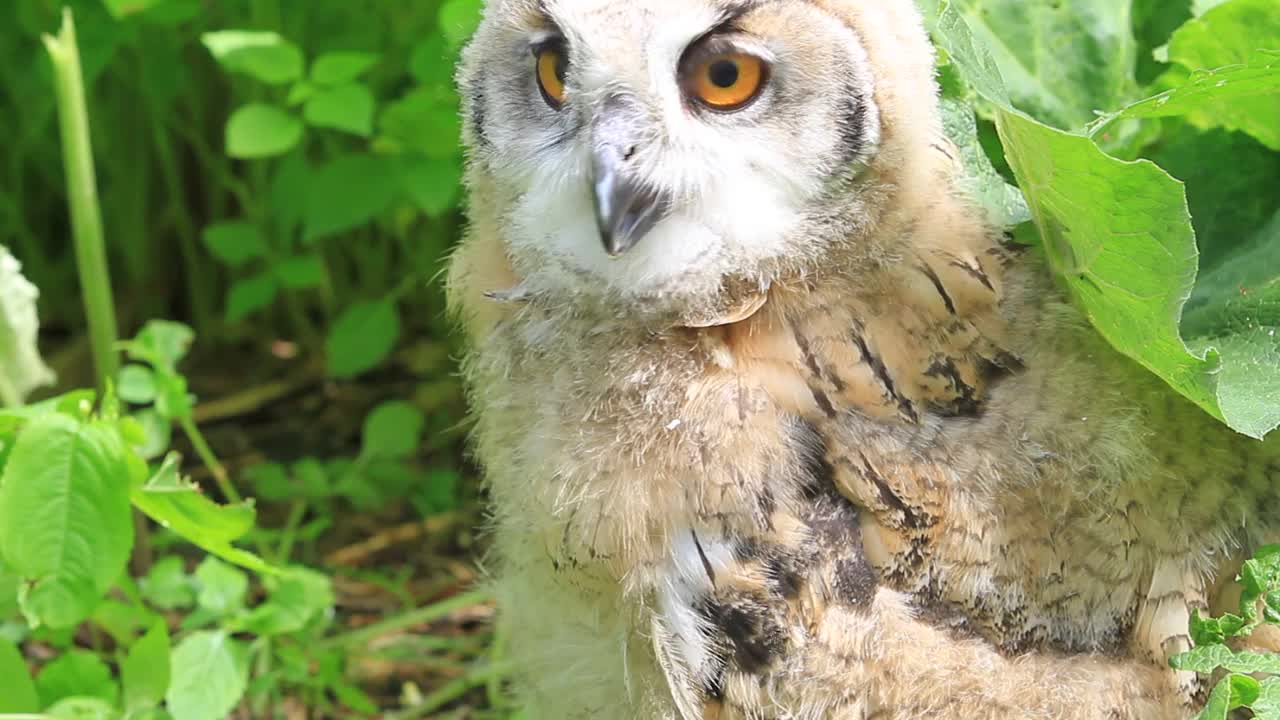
1061, 61
64, 515
78, 673
1234, 33
1119, 235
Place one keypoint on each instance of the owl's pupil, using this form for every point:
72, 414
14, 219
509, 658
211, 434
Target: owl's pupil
723, 73
562, 67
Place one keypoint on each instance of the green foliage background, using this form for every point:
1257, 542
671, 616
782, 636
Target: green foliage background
283, 178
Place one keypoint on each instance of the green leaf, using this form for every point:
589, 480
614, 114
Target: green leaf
1119, 236
17, 691
348, 192
1003, 202
263, 55
77, 673
64, 516
235, 243
432, 62
362, 337
136, 384
1242, 88
157, 433
348, 108
433, 184
163, 343
300, 271
258, 130
167, 585
1227, 210
21, 368
222, 588
1060, 61
202, 522
1267, 706
392, 430
425, 122
145, 670
458, 19
251, 294
336, 68
298, 598
83, 708
1232, 34
210, 674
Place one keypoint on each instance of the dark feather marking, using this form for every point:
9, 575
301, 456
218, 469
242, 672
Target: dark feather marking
911, 517
937, 285
882, 373
702, 555
967, 401
977, 272
824, 402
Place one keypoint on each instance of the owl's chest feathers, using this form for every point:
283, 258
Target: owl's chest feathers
993, 447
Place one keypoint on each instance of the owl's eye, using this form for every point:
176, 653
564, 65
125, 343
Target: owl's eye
726, 81
551, 68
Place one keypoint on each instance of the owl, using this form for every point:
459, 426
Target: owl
774, 424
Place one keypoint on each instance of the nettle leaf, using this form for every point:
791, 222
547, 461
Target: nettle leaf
77, 673
65, 523
336, 68
210, 675
1060, 61
162, 343
1233, 33
235, 243
265, 56
362, 337
1267, 706
1119, 236
348, 192
348, 108
21, 368
145, 669
17, 691
251, 294
202, 522
222, 588
392, 430
258, 130
167, 585
136, 384
297, 599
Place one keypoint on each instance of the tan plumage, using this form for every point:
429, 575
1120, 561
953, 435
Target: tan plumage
872, 468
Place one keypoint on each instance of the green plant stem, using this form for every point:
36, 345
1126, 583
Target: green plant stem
454, 690
210, 460
297, 511
405, 620
82, 196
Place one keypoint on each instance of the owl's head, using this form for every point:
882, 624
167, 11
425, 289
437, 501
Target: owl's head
654, 152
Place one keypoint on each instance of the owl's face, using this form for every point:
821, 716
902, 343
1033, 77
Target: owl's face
653, 149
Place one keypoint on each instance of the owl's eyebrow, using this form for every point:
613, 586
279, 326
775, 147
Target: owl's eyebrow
733, 10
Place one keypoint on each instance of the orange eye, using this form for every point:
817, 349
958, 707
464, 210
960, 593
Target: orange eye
551, 68
727, 81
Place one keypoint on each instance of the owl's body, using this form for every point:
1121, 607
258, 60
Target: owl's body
833, 452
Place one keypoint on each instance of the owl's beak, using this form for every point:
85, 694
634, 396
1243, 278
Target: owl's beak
625, 209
